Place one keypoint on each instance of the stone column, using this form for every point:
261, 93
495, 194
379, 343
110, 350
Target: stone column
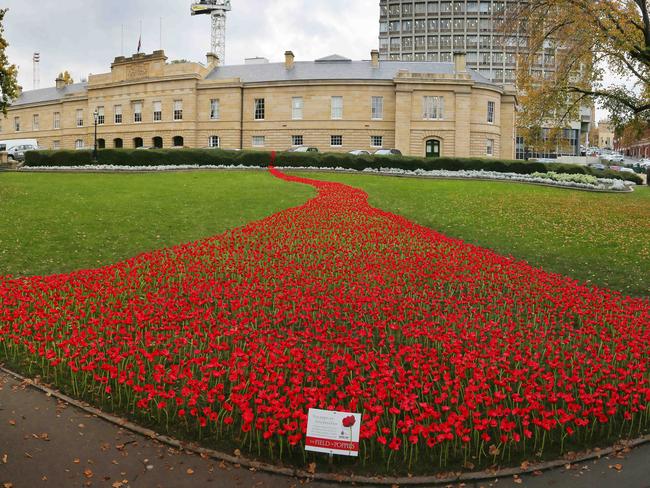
462, 121
403, 116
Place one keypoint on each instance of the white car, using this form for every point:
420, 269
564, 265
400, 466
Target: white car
360, 152
623, 169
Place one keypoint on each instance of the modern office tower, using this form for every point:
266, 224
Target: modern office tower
433, 30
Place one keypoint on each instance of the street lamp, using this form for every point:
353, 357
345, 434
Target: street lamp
96, 116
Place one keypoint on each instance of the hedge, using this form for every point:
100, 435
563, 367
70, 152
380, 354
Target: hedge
203, 157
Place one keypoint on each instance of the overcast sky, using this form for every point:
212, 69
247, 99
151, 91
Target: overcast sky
84, 36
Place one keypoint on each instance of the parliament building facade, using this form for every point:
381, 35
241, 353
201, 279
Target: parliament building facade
334, 104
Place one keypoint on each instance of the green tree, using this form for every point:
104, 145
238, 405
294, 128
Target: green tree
8, 72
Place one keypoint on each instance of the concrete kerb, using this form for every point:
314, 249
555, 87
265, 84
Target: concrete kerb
441, 479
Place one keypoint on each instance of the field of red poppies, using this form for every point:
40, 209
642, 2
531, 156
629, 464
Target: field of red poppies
451, 352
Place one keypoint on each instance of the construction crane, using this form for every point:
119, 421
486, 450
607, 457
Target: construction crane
217, 9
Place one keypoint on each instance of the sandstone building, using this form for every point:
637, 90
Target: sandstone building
333, 103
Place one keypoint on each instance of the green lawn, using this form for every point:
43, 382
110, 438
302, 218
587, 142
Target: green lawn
55, 223
598, 238
51, 223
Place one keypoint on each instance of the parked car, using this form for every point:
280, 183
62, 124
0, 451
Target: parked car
360, 152
598, 166
624, 169
17, 153
614, 158
387, 152
303, 149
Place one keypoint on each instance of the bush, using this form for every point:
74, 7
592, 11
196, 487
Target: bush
203, 157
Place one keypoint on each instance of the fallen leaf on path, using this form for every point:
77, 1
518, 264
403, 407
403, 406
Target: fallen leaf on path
88, 473
190, 471
117, 484
7, 485
4, 459
311, 468
76, 460
12, 422
28, 455
617, 467
237, 452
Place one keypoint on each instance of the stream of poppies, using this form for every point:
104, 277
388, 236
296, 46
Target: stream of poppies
450, 351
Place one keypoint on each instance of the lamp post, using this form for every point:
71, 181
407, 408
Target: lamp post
96, 116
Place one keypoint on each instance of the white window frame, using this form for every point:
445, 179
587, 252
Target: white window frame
377, 108
297, 108
17, 124
258, 141
336, 108
259, 109
80, 117
36, 122
101, 116
215, 109
333, 139
79, 144
297, 137
178, 110
212, 140
433, 107
375, 139
56, 145
157, 111
56, 120
117, 116
491, 110
137, 112
489, 147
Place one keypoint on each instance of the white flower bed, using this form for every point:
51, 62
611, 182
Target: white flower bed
586, 182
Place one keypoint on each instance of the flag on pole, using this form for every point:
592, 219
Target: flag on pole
139, 43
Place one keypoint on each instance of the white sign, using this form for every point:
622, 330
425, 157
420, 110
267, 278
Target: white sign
333, 432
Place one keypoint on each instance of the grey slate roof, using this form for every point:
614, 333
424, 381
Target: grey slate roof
332, 68
49, 94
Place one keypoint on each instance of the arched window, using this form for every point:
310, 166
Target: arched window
178, 141
433, 148
101, 144
157, 142
118, 143
214, 141
137, 142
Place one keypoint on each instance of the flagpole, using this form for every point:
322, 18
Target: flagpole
122, 48
140, 43
161, 37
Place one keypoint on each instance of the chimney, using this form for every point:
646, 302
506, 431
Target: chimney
374, 57
212, 60
460, 63
60, 83
288, 59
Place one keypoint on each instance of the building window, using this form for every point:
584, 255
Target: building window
101, 143
297, 140
214, 110
178, 141
118, 143
56, 145
17, 124
336, 141
337, 108
101, 116
377, 108
297, 104
137, 112
433, 108
157, 111
214, 141
80, 118
376, 141
258, 141
490, 112
259, 109
56, 124
36, 123
489, 147
138, 142
118, 114
178, 110
79, 144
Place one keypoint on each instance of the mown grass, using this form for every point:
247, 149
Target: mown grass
603, 239
56, 223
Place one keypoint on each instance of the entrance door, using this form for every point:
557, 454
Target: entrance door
433, 148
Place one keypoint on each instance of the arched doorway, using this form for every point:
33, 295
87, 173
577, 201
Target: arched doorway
137, 142
118, 143
433, 148
101, 144
178, 141
157, 142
